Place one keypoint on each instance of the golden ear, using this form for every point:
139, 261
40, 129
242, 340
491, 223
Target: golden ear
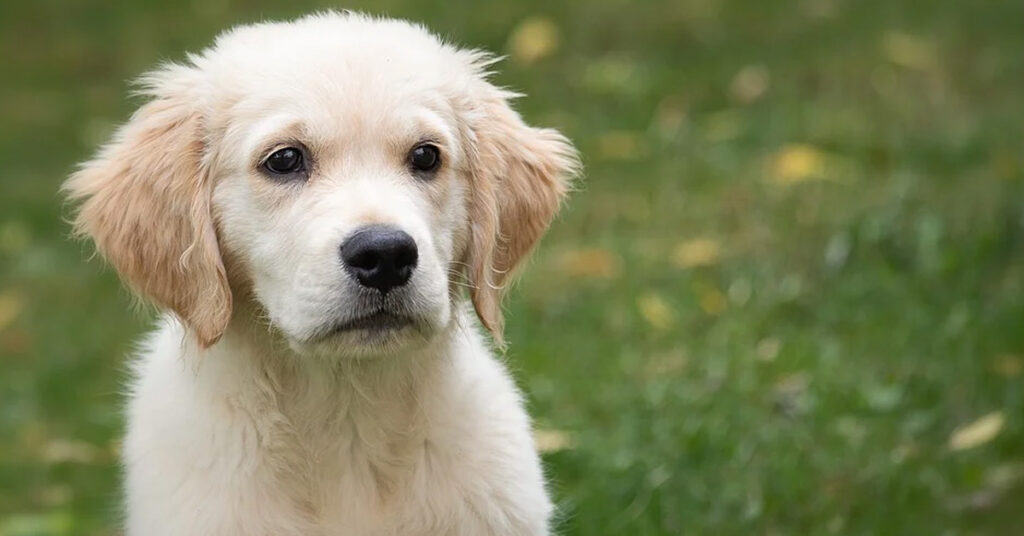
520, 176
145, 201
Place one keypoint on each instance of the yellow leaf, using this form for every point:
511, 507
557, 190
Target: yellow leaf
51, 522
656, 311
551, 440
711, 301
612, 74
977, 433
909, 51
10, 308
1008, 366
794, 383
56, 495
69, 450
749, 84
904, 452
14, 236
696, 252
1004, 476
739, 292
665, 364
1006, 165
768, 349
594, 263
797, 163
670, 116
533, 39
622, 145
723, 126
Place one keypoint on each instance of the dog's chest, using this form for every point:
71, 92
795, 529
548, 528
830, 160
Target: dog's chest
375, 494
449, 454
378, 473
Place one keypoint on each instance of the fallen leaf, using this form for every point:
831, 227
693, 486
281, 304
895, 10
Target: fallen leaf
10, 308
904, 452
739, 292
768, 349
821, 9
533, 39
593, 263
71, 451
749, 84
882, 397
97, 130
670, 116
791, 286
836, 525
977, 433
796, 163
696, 252
656, 311
711, 300
1006, 165
634, 208
15, 341
910, 51
791, 394
551, 440
53, 522
622, 145
722, 126
1005, 475
1008, 366
665, 364
794, 383
614, 73
14, 236
56, 495
996, 482
851, 428
658, 476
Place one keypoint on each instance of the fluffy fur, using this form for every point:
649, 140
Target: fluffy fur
252, 414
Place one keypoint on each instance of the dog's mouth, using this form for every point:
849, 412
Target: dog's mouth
374, 328
376, 321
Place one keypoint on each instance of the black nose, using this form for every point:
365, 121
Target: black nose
380, 257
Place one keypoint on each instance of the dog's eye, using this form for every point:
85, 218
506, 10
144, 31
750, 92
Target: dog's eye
285, 161
426, 157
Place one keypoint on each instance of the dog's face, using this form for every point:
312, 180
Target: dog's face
347, 175
346, 216
342, 192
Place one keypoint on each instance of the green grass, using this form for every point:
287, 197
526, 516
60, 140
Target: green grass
806, 380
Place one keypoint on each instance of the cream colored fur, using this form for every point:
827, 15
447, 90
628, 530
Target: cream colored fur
250, 415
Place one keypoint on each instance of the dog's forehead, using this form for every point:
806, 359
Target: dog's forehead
334, 53
335, 69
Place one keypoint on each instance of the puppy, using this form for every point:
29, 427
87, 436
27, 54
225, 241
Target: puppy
320, 206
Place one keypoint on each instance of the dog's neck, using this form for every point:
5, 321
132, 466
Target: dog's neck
305, 411
255, 364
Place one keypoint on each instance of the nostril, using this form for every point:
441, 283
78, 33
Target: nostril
380, 257
364, 259
407, 255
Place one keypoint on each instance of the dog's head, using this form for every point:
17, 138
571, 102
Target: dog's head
346, 174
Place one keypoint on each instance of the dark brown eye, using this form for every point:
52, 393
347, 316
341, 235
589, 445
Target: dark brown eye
425, 158
285, 161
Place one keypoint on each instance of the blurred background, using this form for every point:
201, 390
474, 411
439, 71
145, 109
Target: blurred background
788, 297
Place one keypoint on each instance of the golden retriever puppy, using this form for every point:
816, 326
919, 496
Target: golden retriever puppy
320, 206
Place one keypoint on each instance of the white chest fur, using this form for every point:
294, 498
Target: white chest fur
243, 440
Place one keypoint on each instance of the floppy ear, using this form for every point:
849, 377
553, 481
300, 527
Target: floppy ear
145, 201
520, 175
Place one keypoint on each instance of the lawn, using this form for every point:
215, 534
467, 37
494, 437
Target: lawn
787, 297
